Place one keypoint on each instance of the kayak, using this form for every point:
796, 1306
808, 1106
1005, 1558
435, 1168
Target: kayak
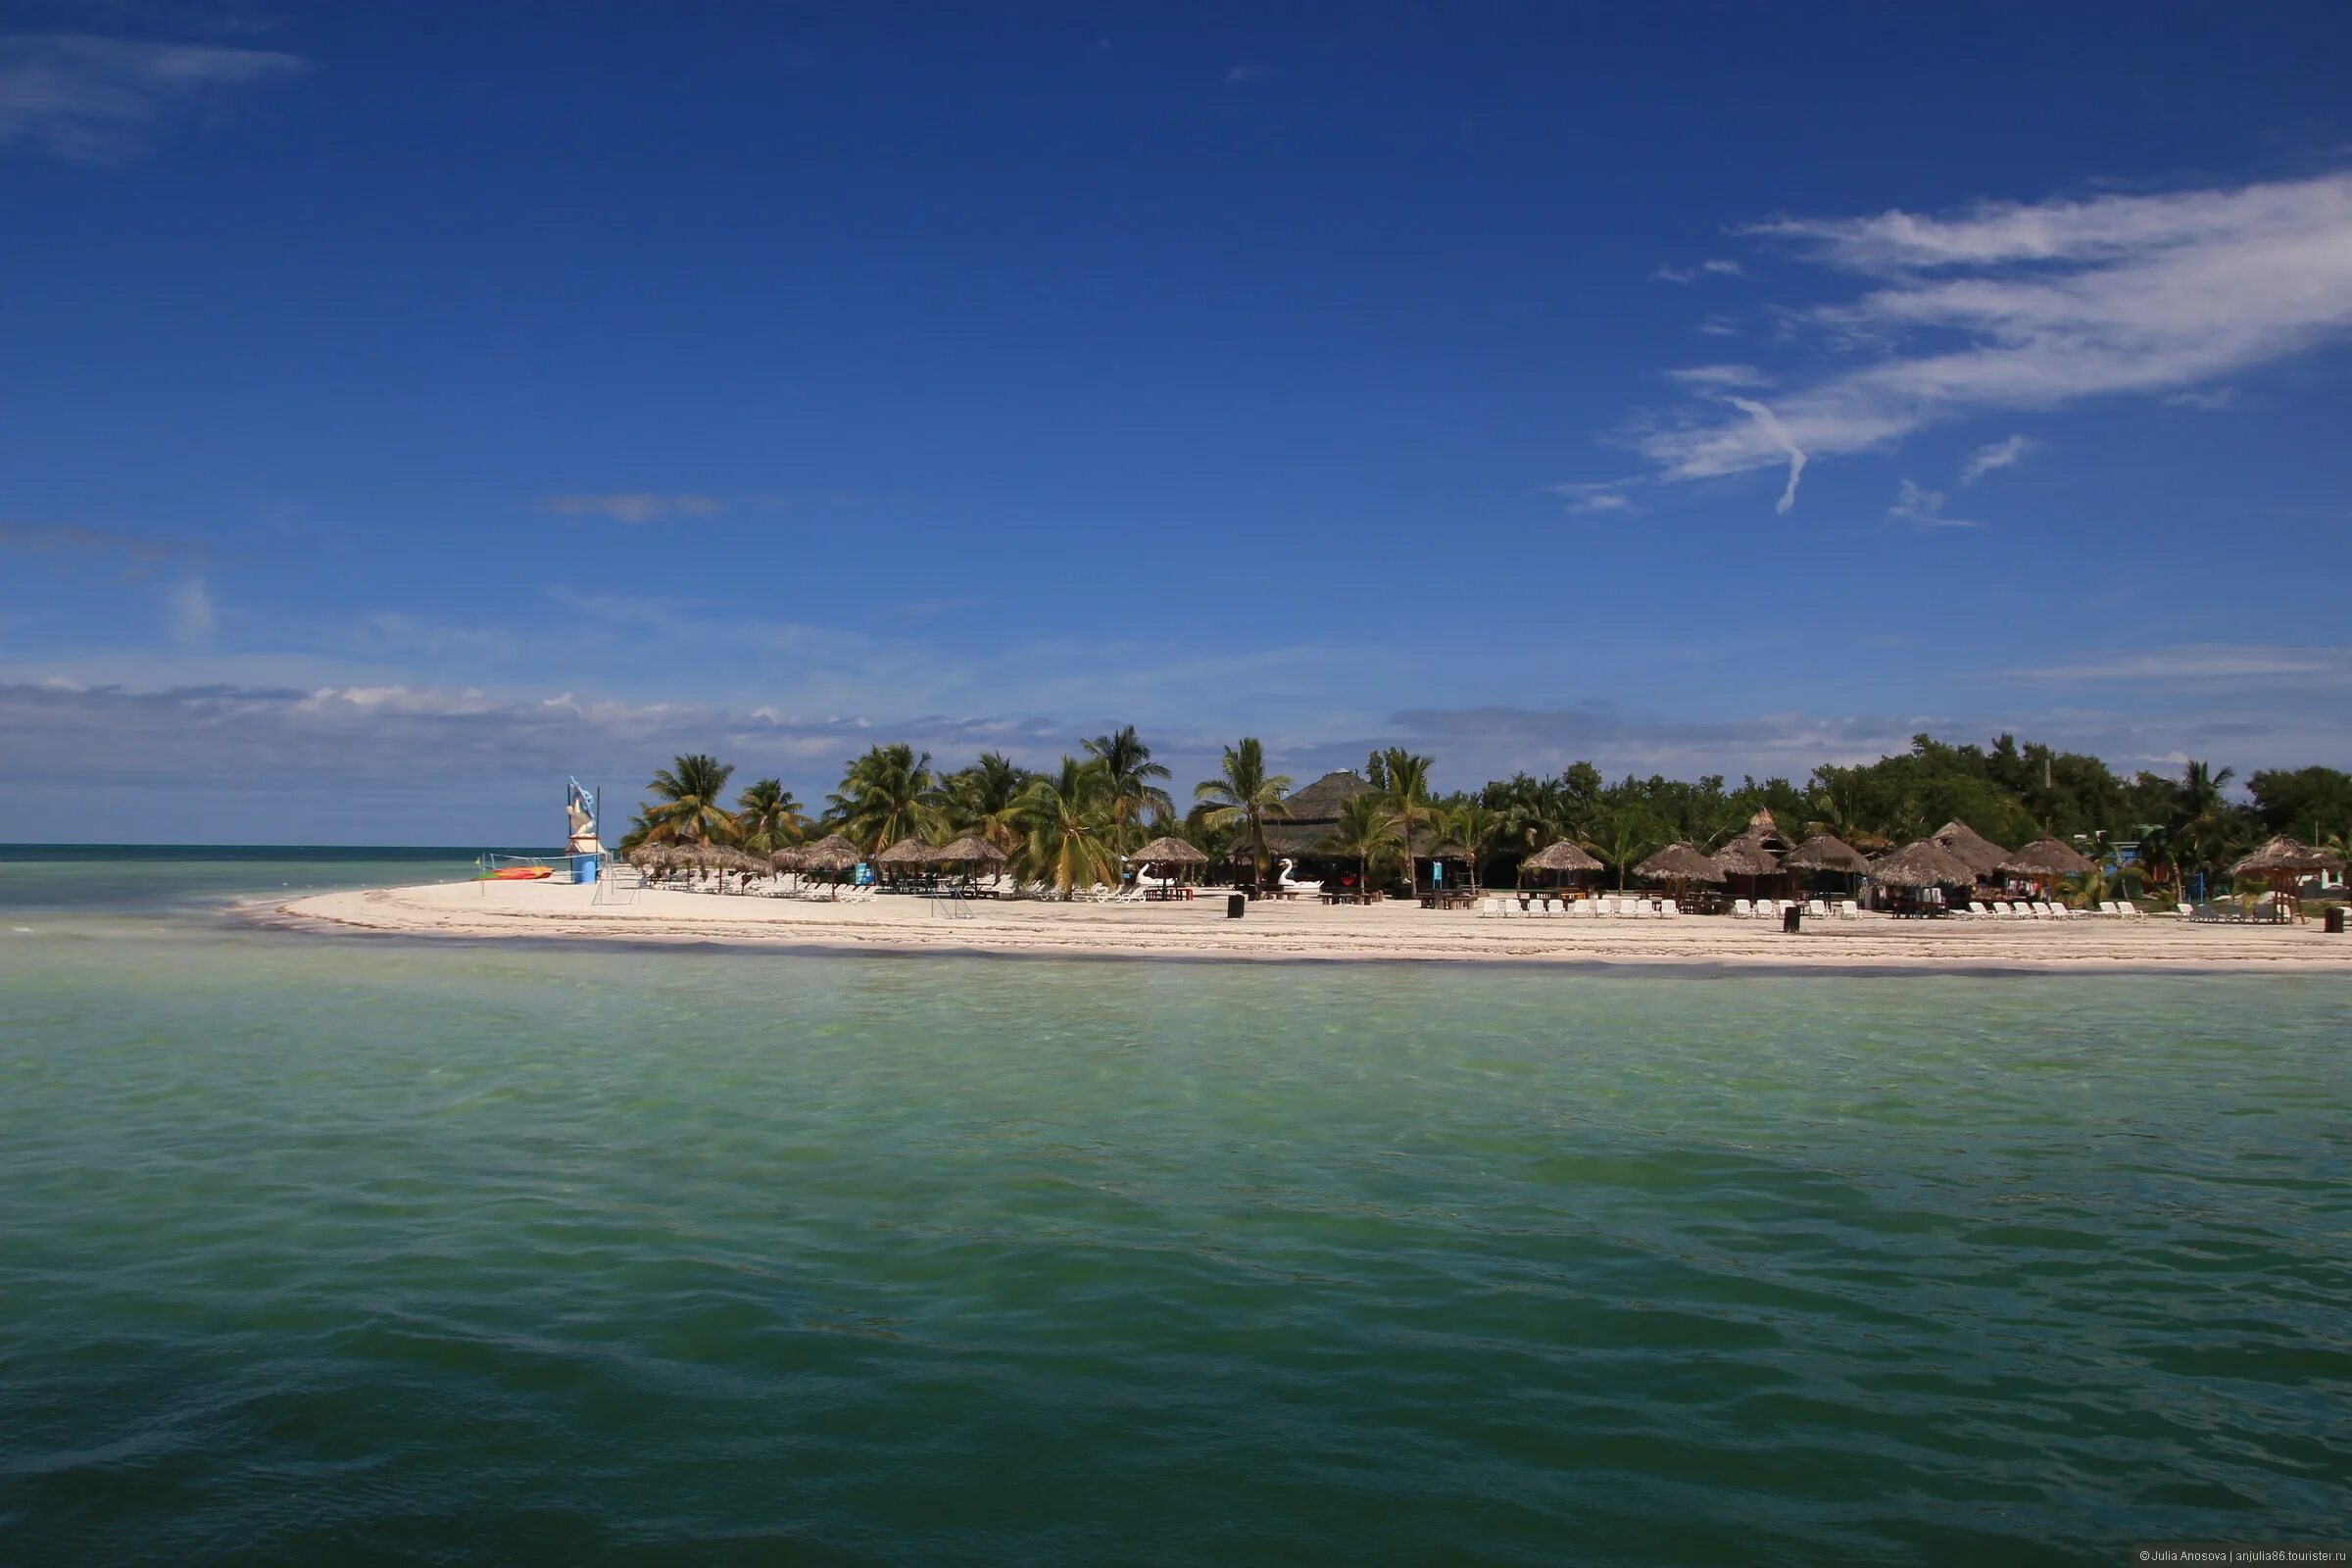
516, 873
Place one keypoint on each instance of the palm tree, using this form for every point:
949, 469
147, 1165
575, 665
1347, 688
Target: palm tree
1470, 829
1067, 818
1134, 791
985, 796
1408, 795
767, 817
1366, 829
886, 795
687, 806
1622, 837
2200, 789
1245, 793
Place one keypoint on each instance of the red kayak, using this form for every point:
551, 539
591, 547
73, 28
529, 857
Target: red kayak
516, 873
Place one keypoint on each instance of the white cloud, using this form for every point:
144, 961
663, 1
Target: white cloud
102, 98
1717, 326
1923, 509
2220, 397
635, 506
2203, 662
2025, 307
1719, 268
192, 607
1242, 76
1718, 376
1999, 454
1768, 425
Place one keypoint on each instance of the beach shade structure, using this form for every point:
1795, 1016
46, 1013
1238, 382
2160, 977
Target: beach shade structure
1972, 849
1826, 853
1166, 852
1562, 858
788, 859
969, 850
2044, 860
1922, 864
1679, 864
831, 854
2284, 862
906, 855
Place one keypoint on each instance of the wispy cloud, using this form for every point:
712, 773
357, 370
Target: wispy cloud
143, 553
634, 507
102, 100
1768, 425
1242, 76
2203, 662
1999, 454
2220, 397
1923, 509
1596, 495
2020, 306
1721, 375
1718, 267
192, 615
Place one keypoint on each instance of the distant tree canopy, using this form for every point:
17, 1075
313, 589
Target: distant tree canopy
1073, 824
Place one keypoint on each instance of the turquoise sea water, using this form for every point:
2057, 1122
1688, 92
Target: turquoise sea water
359, 1250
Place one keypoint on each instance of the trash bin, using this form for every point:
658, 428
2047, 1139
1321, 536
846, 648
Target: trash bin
2334, 920
1235, 903
1790, 916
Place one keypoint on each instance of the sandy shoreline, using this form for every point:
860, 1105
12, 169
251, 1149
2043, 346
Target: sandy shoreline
1273, 932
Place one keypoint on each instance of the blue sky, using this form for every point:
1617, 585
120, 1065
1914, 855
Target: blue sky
403, 407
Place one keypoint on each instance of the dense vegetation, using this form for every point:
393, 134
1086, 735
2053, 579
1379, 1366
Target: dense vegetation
1069, 826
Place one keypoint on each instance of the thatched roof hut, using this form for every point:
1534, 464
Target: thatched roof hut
1679, 862
832, 852
2047, 859
2286, 857
1560, 856
1972, 849
1168, 851
650, 858
1747, 856
731, 858
969, 850
1825, 852
907, 851
791, 858
1922, 864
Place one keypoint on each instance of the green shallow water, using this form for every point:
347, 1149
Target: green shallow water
362, 1249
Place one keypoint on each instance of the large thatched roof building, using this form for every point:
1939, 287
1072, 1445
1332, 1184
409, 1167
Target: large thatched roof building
1311, 814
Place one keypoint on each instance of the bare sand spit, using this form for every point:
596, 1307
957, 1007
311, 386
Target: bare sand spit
1279, 931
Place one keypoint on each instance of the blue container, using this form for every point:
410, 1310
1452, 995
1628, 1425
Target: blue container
583, 868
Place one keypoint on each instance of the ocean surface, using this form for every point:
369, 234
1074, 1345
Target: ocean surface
358, 1249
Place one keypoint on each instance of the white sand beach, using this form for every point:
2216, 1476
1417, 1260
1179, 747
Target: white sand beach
1304, 931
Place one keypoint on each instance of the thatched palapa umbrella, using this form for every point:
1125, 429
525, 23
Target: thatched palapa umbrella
907, 852
1924, 864
1562, 858
969, 850
1826, 852
2044, 860
833, 853
1970, 849
1679, 864
2284, 862
1166, 853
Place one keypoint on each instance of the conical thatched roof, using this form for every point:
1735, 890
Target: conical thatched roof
1168, 851
1679, 862
908, 851
1320, 801
791, 858
1747, 856
2045, 858
650, 858
1924, 864
832, 852
2287, 856
1825, 852
731, 858
1560, 856
1978, 853
966, 851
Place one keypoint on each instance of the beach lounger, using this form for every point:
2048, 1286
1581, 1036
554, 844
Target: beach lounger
1816, 909
1742, 910
1849, 910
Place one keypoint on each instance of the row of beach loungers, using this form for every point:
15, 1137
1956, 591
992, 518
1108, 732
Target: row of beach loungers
2026, 911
